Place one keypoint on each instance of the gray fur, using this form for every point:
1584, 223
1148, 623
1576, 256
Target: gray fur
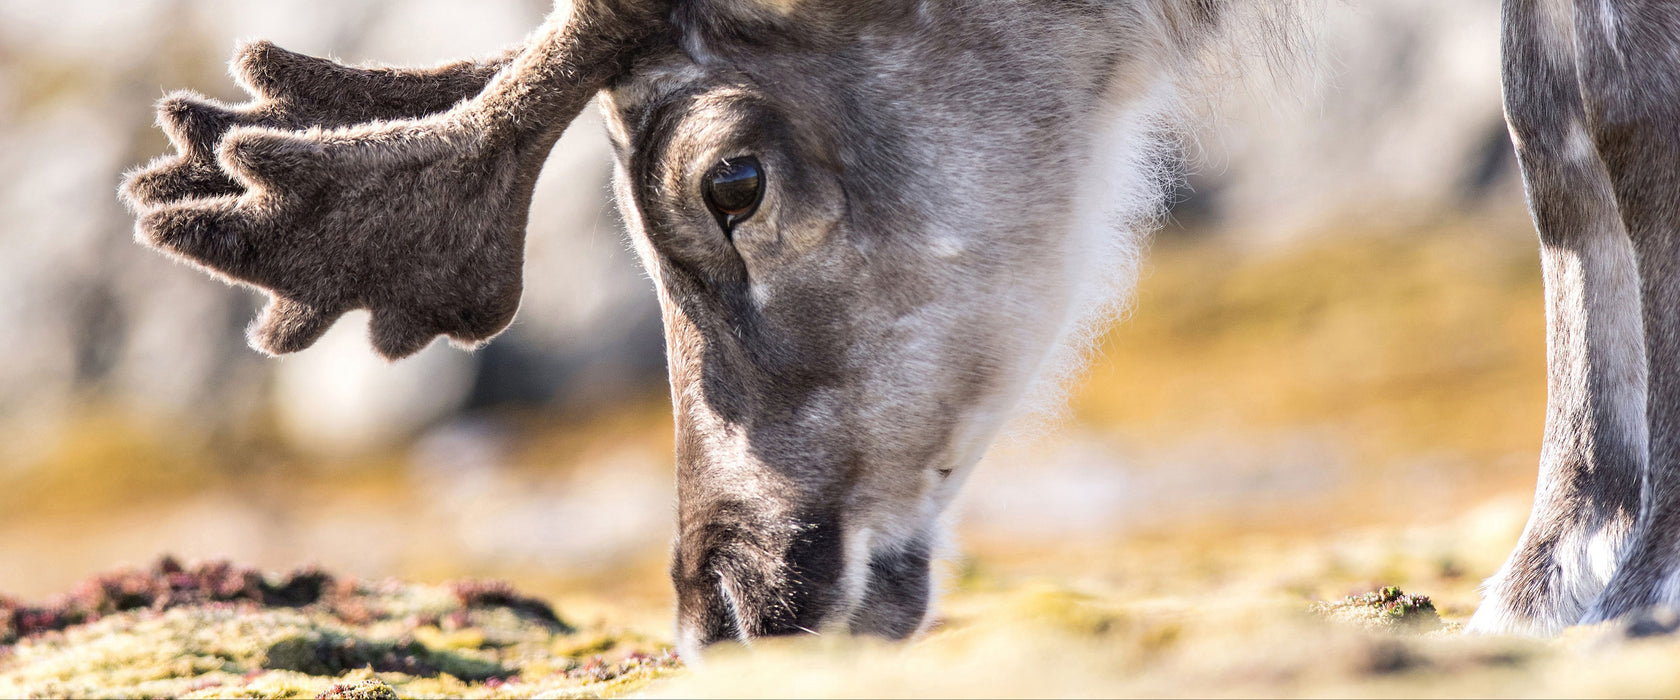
956, 190
1593, 99
1629, 56
841, 360
1595, 443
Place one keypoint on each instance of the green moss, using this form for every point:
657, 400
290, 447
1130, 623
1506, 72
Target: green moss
328, 638
365, 690
1065, 611
1402, 607
1388, 607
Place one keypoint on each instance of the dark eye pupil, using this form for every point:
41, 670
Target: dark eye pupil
733, 190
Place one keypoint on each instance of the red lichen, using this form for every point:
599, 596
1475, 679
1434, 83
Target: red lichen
482, 594
166, 585
170, 584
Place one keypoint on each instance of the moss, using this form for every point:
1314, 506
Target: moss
1388, 607
499, 594
365, 690
165, 586
1065, 611
216, 630
319, 652
1400, 606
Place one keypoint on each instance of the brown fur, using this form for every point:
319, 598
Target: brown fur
292, 92
342, 188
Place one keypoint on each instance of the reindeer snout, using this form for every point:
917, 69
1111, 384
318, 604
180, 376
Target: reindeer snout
739, 577
721, 609
737, 582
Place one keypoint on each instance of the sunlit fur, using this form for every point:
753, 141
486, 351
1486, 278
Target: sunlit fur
1026, 146
956, 199
1593, 101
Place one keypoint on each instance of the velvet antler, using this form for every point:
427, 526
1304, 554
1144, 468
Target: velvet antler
416, 212
292, 92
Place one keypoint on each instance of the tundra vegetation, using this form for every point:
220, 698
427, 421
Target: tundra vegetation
216, 630
1179, 614
1367, 394
1414, 475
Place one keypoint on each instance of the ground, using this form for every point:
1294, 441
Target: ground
1209, 614
217, 630
1284, 453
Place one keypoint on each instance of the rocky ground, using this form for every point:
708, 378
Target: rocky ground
1286, 476
214, 630
1214, 613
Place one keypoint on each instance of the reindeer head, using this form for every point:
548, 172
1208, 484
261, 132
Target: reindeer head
869, 223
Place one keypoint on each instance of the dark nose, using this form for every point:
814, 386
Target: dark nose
899, 592
737, 584
738, 577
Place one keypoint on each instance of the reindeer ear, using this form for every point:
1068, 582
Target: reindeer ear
419, 219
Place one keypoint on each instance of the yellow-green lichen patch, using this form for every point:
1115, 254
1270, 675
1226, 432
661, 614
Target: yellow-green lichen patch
183, 633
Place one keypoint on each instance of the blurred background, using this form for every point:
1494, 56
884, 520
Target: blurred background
1341, 327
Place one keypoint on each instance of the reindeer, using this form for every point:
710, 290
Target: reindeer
873, 224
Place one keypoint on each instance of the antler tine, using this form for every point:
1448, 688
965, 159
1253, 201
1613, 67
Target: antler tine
352, 95
292, 92
420, 219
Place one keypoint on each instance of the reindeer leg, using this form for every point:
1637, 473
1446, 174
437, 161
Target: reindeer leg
420, 220
1593, 456
1628, 71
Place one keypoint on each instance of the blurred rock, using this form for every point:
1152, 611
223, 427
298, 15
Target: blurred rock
1040, 489
339, 396
1406, 123
588, 519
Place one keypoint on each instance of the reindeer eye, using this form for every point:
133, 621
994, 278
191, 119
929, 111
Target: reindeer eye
733, 190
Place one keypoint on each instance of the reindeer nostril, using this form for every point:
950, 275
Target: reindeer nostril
945, 473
